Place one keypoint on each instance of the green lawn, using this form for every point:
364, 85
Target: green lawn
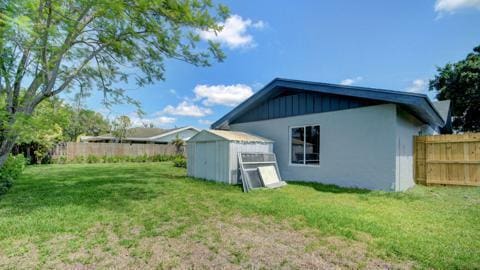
150, 215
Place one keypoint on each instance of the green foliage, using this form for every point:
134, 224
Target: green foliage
85, 122
120, 127
44, 128
116, 159
10, 171
180, 162
460, 82
51, 47
178, 143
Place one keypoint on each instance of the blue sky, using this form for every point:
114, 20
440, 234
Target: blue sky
387, 44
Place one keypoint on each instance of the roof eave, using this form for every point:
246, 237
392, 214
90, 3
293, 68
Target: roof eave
407, 99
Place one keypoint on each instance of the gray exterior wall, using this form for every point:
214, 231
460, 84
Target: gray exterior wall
357, 146
407, 127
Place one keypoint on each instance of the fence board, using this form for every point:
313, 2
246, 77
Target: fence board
70, 150
448, 159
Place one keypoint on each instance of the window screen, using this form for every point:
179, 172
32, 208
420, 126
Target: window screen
305, 145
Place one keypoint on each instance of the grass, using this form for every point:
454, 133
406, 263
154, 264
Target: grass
73, 214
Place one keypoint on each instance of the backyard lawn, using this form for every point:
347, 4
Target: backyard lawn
150, 215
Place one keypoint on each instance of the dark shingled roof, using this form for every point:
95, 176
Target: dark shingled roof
140, 132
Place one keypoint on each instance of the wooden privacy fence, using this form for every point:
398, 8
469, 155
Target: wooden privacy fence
70, 150
448, 159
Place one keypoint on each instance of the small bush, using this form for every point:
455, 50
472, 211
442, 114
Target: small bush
117, 159
10, 171
180, 162
79, 159
93, 159
59, 160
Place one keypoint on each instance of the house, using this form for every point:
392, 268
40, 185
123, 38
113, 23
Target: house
142, 135
336, 134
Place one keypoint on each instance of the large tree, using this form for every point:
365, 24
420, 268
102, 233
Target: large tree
460, 83
85, 122
120, 127
39, 132
51, 46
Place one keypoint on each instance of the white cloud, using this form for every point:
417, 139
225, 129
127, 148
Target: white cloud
205, 122
234, 32
453, 5
155, 120
227, 95
351, 81
417, 86
185, 108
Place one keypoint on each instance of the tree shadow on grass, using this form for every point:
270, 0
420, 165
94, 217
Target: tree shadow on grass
330, 188
90, 187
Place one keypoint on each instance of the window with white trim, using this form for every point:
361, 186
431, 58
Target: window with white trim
305, 145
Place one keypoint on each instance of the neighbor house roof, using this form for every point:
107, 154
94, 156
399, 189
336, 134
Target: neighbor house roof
418, 104
140, 134
443, 108
229, 136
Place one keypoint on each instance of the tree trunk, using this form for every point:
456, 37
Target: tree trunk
5, 149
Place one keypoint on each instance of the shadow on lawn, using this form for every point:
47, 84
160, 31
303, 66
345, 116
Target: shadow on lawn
87, 187
330, 188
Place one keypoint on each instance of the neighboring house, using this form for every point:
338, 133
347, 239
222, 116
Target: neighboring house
146, 136
335, 134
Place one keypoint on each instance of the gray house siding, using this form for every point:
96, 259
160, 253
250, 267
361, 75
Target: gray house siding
407, 127
357, 146
292, 103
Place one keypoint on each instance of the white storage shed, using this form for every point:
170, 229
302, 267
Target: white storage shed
213, 154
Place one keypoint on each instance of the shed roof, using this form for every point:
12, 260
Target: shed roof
236, 136
418, 104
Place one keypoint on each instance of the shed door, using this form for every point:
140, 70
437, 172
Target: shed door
205, 164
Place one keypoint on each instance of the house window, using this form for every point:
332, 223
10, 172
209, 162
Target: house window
305, 145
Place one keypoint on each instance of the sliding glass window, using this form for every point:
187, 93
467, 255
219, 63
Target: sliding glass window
305, 145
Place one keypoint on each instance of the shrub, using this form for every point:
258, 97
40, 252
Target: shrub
59, 160
116, 159
10, 171
79, 159
93, 159
180, 162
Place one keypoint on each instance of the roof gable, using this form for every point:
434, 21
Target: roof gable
417, 104
292, 103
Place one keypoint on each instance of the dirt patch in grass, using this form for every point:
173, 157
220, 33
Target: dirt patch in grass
24, 255
227, 243
253, 243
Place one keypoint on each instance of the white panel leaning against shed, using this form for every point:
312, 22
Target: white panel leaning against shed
213, 154
336, 134
259, 170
